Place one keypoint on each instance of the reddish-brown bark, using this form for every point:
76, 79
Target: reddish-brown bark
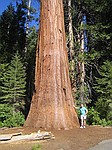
52, 102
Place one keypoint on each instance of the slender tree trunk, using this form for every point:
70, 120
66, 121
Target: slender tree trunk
52, 102
82, 67
70, 31
71, 48
27, 25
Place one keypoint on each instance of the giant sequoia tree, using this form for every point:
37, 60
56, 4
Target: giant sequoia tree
52, 102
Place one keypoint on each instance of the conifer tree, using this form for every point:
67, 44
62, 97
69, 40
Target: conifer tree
3, 68
103, 87
13, 83
12, 32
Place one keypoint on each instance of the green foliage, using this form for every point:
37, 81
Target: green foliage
84, 93
37, 147
8, 118
15, 121
3, 68
30, 59
102, 106
13, 83
101, 113
103, 87
104, 82
16, 34
94, 118
12, 32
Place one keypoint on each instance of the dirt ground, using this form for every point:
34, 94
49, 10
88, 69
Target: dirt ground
75, 139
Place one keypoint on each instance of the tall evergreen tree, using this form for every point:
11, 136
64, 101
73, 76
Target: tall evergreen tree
75, 28
12, 32
103, 87
99, 29
13, 83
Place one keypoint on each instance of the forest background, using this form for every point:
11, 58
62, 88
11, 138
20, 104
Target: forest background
88, 29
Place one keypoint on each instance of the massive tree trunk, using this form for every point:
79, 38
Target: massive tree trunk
52, 102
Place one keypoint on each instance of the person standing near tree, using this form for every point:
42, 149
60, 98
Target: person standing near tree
83, 115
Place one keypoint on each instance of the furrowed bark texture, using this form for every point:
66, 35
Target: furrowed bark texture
52, 102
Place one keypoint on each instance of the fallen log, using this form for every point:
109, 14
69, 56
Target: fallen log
5, 137
40, 135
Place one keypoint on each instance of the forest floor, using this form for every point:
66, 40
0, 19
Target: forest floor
75, 139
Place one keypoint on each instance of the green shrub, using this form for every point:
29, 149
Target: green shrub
5, 112
8, 118
94, 118
36, 147
102, 106
109, 122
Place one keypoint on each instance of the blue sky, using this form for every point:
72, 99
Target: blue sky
5, 3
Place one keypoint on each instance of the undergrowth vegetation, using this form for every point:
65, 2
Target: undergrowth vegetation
9, 118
